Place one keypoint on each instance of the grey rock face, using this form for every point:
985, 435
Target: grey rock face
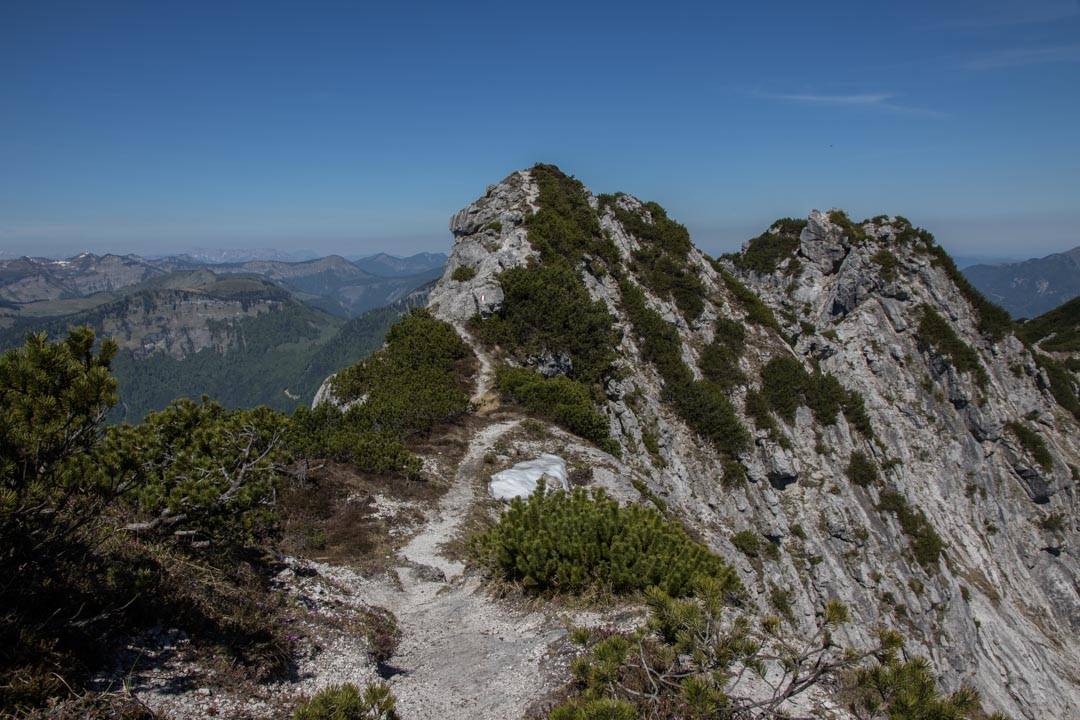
489, 238
1002, 611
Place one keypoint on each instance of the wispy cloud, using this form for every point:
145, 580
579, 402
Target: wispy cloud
872, 101
985, 16
1019, 57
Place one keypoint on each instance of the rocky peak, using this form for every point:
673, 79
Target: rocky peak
751, 393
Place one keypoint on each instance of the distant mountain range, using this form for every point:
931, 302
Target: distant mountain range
1032, 287
46, 287
187, 327
392, 266
233, 255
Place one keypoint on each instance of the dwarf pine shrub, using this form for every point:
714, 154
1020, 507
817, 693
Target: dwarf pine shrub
565, 402
574, 542
1063, 384
887, 262
764, 253
861, 469
703, 405
661, 260
785, 385
757, 312
935, 333
926, 544
1055, 331
720, 359
686, 662
463, 273
348, 702
547, 309
993, 320
108, 531
415, 382
1033, 443
566, 228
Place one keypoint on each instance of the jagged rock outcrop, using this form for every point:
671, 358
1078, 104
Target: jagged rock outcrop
1000, 609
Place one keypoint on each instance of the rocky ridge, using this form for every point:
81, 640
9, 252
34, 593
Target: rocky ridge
997, 608
1000, 610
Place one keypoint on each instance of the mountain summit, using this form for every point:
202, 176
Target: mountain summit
836, 392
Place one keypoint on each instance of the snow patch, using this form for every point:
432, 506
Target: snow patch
521, 479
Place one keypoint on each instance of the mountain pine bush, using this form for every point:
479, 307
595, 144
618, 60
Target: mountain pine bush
105, 533
926, 544
547, 309
720, 359
935, 333
565, 402
764, 253
861, 470
566, 228
1032, 442
348, 702
420, 379
661, 261
574, 542
894, 689
786, 385
703, 405
757, 312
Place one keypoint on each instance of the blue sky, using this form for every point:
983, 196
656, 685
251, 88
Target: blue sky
352, 127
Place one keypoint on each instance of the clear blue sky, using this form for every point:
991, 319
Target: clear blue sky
352, 127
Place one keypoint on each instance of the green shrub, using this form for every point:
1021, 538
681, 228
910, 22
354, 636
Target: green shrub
494, 226
748, 542
926, 544
897, 689
1055, 331
861, 470
935, 333
703, 405
756, 311
463, 273
566, 228
416, 382
757, 407
994, 321
327, 432
681, 664
856, 415
783, 384
734, 474
574, 542
720, 358
652, 444
887, 262
1063, 383
204, 471
559, 399
546, 309
780, 601
1033, 443
855, 233
108, 533
347, 702
595, 709
764, 253
661, 260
